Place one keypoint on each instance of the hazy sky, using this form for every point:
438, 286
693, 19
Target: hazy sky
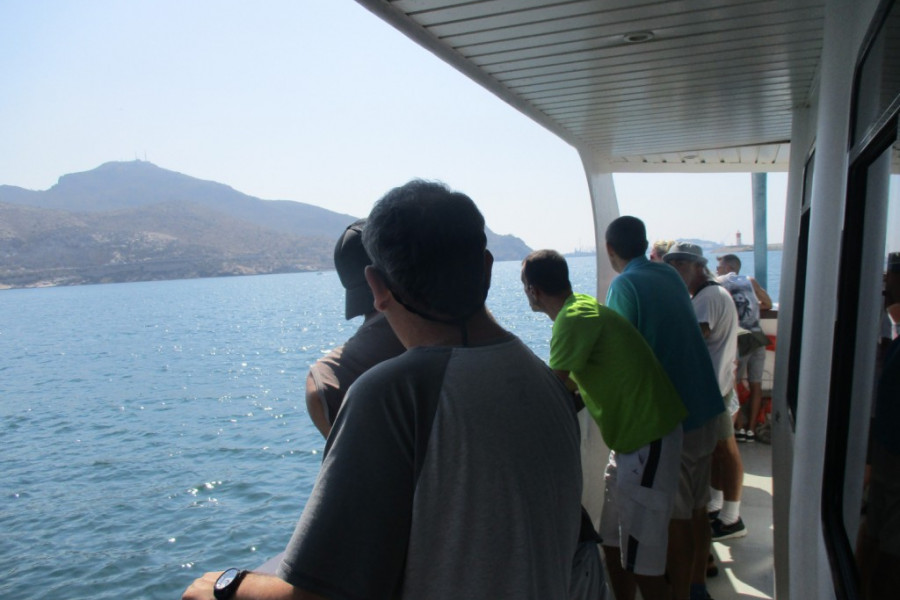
319, 102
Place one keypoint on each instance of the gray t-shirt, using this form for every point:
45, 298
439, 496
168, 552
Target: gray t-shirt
450, 473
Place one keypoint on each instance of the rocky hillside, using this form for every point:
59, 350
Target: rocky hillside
133, 221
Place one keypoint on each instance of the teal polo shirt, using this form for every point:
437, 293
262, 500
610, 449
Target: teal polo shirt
653, 297
622, 384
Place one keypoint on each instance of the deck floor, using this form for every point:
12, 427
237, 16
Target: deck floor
746, 564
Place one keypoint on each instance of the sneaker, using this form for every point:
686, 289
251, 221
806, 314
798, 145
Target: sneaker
749, 436
721, 531
740, 435
713, 515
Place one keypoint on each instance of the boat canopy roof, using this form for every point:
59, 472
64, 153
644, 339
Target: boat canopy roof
676, 86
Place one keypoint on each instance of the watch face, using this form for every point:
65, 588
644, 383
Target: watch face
226, 578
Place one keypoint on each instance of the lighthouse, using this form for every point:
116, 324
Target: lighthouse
737, 238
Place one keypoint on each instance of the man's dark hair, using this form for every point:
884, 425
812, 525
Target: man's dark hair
627, 236
428, 242
548, 271
732, 261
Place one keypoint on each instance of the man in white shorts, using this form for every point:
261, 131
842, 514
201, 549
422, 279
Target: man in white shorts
639, 414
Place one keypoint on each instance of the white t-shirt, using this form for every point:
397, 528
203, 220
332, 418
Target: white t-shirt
714, 306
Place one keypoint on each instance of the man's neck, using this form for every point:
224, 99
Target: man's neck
480, 329
554, 304
698, 283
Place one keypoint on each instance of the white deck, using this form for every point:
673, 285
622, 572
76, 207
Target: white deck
746, 564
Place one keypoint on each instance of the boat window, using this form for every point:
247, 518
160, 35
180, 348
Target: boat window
876, 84
861, 479
867, 399
799, 292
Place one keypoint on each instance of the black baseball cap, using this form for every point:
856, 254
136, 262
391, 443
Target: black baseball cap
350, 261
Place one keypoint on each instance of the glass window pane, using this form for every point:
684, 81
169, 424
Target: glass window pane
878, 79
878, 539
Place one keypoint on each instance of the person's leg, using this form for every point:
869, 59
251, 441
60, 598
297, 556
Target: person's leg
653, 587
686, 542
681, 557
701, 534
732, 469
755, 404
755, 366
621, 581
722, 465
728, 523
705, 444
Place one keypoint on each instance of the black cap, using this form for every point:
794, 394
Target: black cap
351, 260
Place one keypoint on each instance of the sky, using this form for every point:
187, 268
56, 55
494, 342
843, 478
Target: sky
319, 102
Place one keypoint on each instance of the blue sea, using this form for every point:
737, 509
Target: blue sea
154, 431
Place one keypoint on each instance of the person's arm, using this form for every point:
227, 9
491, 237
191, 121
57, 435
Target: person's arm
315, 406
704, 329
254, 586
570, 384
567, 381
765, 303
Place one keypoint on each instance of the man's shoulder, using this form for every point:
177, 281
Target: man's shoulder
376, 333
583, 300
713, 289
646, 273
413, 364
576, 312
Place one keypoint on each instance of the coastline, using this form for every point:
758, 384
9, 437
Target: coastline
745, 248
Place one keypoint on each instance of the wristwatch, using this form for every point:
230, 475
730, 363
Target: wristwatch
227, 584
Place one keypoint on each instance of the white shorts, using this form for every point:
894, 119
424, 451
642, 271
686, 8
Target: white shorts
640, 495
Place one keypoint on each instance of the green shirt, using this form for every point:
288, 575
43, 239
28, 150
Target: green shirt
622, 384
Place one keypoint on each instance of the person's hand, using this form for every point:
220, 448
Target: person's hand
202, 589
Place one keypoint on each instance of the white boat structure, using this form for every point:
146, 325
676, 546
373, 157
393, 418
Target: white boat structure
810, 87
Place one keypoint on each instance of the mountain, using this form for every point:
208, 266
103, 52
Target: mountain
134, 221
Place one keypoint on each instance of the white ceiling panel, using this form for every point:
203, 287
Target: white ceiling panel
713, 87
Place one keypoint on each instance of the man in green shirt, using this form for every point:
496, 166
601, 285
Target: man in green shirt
639, 414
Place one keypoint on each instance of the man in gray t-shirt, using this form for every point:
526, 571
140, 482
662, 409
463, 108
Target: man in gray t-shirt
453, 470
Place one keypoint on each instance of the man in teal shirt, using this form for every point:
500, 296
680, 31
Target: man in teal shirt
654, 298
639, 414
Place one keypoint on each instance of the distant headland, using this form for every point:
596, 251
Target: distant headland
712, 248
135, 221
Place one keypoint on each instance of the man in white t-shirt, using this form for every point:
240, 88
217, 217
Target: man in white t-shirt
718, 322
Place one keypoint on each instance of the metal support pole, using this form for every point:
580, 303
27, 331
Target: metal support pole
760, 233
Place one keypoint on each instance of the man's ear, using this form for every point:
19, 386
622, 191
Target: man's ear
488, 268
610, 252
379, 288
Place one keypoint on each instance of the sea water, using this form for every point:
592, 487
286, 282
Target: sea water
154, 431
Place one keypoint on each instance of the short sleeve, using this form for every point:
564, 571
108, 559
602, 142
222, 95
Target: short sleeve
353, 537
572, 341
621, 297
359, 512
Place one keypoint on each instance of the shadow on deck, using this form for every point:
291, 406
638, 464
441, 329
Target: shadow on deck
746, 566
